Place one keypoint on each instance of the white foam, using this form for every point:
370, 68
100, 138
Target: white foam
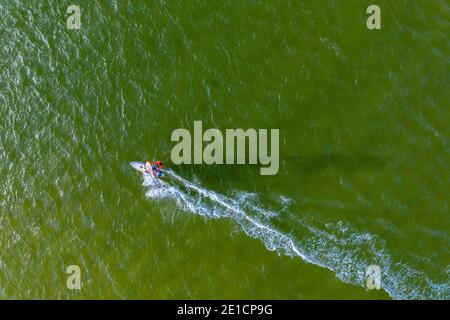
335, 246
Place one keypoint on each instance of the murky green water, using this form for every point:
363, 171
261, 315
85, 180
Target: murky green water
364, 149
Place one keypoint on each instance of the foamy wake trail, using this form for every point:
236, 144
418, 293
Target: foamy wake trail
336, 246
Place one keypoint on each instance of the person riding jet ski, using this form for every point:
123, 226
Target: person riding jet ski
155, 168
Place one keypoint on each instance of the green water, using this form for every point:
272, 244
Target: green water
364, 149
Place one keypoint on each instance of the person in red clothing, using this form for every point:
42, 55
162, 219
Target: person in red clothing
155, 168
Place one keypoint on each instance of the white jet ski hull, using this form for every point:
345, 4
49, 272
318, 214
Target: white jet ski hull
139, 166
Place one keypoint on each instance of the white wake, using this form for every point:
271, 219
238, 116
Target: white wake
336, 246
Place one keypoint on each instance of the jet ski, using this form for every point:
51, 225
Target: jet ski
154, 169
139, 166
